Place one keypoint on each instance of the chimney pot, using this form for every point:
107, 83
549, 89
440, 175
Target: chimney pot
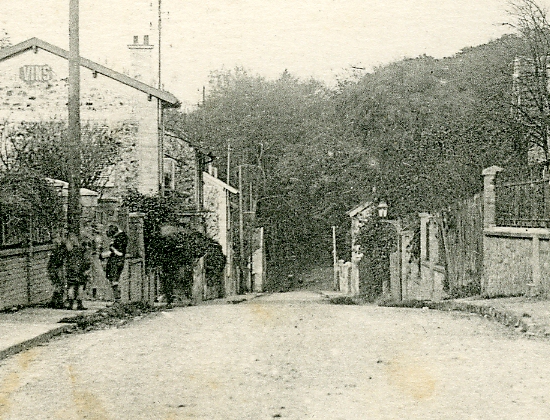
145, 39
136, 39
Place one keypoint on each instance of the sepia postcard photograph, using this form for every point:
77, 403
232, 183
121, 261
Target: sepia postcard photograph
263, 209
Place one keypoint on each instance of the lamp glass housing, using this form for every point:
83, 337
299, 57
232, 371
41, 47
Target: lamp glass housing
383, 210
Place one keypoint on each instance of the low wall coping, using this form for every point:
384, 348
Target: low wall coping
437, 267
517, 232
492, 170
24, 251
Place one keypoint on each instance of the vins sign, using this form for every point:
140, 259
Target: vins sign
36, 73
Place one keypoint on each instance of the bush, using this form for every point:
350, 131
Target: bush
377, 240
176, 250
30, 200
466, 290
343, 300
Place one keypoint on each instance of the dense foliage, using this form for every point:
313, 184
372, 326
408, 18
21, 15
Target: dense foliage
418, 131
178, 249
29, 206
42, 147
531, 104
158, 210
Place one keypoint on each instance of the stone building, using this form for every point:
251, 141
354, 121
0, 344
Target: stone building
217, 203
34, 87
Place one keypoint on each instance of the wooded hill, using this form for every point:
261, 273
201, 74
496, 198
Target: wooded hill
419, 131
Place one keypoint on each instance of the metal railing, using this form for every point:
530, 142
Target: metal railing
523, 204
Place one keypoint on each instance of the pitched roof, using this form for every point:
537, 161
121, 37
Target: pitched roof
184, 137
217, 181
34, 43
353, 212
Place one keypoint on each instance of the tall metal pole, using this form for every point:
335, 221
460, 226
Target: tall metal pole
160, 39
73, 204
241, 228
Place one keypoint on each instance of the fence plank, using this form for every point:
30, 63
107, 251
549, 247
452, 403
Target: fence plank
462, 231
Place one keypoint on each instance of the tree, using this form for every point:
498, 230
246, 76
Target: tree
432, 125
419, 130
42, 147
532, 95
30, 209
283, 134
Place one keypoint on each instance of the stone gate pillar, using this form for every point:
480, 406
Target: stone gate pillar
489, 196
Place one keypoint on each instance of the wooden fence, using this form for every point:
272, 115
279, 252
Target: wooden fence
461, 232
24, 276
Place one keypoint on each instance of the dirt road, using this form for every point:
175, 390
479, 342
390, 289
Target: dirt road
284, 356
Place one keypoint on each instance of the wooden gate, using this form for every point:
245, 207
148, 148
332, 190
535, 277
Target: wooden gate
461, 234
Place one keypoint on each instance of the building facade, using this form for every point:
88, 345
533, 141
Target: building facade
34, 88
217, 204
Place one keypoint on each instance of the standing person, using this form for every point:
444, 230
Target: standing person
115, 258
78, 266
56, 272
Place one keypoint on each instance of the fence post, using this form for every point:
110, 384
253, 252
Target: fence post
489, 196
29, 260
136, 251
534, 286
199, 281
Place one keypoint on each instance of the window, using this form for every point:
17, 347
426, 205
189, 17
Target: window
169, 173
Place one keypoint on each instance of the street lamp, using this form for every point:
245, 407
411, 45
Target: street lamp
383, 214
382, 210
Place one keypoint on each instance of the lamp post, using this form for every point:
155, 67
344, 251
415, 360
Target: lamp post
382, 209
382, 216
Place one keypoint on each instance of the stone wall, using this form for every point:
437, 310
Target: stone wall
34, 87
516, 260
507, 265
186, 181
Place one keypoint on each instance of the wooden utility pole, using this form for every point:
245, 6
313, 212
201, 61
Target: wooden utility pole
160, 42
241, 229
160, 116
73, 199
228, 163
334, 258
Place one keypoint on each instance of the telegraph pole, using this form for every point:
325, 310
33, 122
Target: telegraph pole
241, 228
334, 259
73, 199
160, 114
228, 162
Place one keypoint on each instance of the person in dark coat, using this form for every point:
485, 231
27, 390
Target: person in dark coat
56, 272
115, 258
78, 267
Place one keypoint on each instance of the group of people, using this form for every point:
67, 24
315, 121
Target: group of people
70, 267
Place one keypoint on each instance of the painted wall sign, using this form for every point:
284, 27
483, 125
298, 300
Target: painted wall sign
36, 73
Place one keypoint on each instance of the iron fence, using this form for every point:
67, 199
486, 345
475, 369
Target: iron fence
523, 204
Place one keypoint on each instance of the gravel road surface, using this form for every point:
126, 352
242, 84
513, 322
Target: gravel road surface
287, 356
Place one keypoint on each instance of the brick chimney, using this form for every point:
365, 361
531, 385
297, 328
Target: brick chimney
141, 61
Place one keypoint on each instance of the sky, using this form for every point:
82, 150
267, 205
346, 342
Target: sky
309, 38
